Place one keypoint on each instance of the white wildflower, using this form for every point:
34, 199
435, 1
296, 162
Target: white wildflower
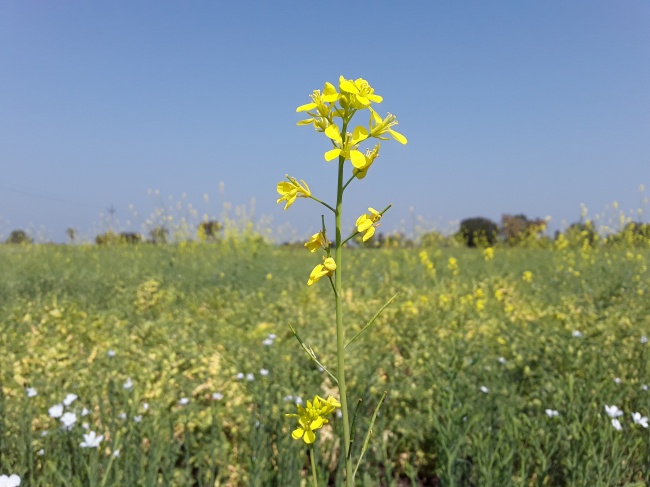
68, 420
640, 420
91, 440
69, 399
56, 411
613, 411
617, 424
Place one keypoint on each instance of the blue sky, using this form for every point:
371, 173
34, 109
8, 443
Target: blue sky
509, 107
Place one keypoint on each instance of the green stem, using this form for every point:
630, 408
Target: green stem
340, 337
312, 456
323, 203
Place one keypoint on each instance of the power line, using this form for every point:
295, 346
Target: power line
50, 198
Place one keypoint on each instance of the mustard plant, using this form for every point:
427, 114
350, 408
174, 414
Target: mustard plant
330, 112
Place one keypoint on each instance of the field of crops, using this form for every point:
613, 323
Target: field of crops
174, 365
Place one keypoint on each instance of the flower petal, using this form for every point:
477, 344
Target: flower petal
357, 158
332, 154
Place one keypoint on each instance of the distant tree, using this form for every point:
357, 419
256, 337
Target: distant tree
518, 228
130, 237
71, 233
19, 237
108, 238
158, 235
209, 231
478, 232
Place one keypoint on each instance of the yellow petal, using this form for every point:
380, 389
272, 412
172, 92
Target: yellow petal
369, 234
307, 121
364, 225
357, 158
376, 117
330, 94
306, 107
333, 132
329, 264
309, 437
332, 154
317, 423
297, 433
362, 218
375, 98
347, 85
397, 136
360, 133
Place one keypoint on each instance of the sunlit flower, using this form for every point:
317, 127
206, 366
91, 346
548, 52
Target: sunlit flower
267, 342
370, 156
360, 93
617, 424
527, 276
250, 377
31, 392
640, 420
85, 412
91, 440
217, 396
41, 452
128, 384
644, 387
551, 413
613, 411
68, 420
502, 360
111, 353
183, 401
56, 411
617, 380
9, 480
576, 334
69, 399
264, 372
320, 108
313, 417
116, 453
367, 223
145, 406
347, 148
122, 415
327, 268
485, 390
488, 253
315, 242
137, 418
379, 127
240, 376
644, 339
292, 189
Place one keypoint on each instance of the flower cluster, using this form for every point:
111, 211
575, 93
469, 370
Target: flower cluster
313, 417
367, 223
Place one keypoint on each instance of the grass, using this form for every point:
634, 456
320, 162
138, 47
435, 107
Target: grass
470, 361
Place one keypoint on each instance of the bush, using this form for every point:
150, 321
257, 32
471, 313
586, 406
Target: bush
19, 237
478, 232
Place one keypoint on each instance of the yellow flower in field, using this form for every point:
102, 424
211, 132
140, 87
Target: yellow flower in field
367, 223
347, 148
452, 265
370, 156
316, 241
379, 127
292, 189
488, 253
327, 268
527, 277
313, 417
360, 93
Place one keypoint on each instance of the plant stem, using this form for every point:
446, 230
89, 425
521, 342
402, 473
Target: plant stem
340, 337
312, 456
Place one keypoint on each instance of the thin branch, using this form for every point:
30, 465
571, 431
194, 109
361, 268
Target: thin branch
372, 320
367, 440
311, 353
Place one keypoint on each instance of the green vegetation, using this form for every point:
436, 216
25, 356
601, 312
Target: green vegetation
476, 359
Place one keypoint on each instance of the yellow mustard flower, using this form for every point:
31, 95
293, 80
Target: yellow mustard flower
488, 253
379, 127
321, 108
527, 277
327, 268
361, 94
367, 223
313, 417
316, 241
292, 189
370, 156
348, 147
